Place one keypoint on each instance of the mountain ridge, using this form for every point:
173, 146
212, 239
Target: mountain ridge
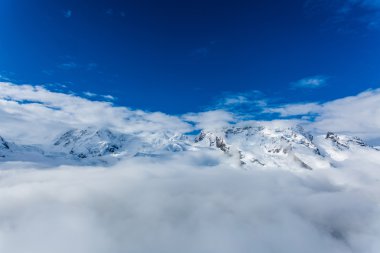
248, 146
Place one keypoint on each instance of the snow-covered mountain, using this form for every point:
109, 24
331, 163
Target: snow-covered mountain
264, 146
93, 143
245, 147
10, 151
290, 148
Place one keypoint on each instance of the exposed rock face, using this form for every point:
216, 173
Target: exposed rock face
4, 147
345, 142
3, 144
213, 140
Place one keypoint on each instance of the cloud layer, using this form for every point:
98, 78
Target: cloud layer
182, 206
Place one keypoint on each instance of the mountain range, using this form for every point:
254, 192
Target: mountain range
244, 147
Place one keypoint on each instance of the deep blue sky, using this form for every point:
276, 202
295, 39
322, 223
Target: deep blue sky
180, 56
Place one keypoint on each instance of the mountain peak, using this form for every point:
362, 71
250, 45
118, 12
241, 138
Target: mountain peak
213, 140
90, 142
263, 145
343, 142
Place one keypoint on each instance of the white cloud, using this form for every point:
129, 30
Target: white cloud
94, 95
295, 109
210, 119
310, 82
89, 94
33, 114
355, 115
109, 97
230, 100
238, 99
183, 206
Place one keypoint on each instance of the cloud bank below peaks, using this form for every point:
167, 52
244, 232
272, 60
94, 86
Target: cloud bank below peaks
181, 205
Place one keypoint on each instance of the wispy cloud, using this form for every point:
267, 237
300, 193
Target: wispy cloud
4, 78
67, 13
91, 66
109, 12
210, 119
311, 82
71, 65
373, 4
90, 94
201, 52
348, 16
7, 76
109, 97
366, 12
94, 95
68, 65
296, 109
47, 72
241, 102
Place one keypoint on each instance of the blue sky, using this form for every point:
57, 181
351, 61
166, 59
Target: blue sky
183, 56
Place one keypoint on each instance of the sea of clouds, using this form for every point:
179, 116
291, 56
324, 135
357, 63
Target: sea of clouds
181, 205
189, 202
